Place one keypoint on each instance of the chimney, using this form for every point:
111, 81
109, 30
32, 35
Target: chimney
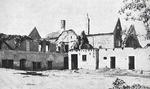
88, 24
63, 25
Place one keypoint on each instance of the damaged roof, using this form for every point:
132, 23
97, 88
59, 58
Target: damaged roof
35, 34
131, 39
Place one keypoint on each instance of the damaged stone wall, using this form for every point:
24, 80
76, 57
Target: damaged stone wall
102, 41
11, 44
30, 57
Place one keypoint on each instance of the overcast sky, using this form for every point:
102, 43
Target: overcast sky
21, 16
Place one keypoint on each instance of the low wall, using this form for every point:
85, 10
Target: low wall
124, 58
56, 58
141, 58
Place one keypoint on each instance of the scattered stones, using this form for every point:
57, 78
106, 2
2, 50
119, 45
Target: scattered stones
120, 84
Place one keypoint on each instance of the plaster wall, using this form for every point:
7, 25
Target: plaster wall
105, 41
90, 62
141, 57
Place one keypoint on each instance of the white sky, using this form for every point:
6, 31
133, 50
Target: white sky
21, 16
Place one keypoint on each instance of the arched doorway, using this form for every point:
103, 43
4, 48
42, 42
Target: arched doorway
23, 64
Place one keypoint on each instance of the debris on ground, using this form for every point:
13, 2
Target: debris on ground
121, 84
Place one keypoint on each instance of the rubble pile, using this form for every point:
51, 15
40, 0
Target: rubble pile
121, 84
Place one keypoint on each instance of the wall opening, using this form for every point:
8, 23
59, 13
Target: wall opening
131, 62
39, 48
59, 49
105, 58
7, 63
47, 48
112, 62
36, 65
74, 61
49, 65
66, 48
66, 63
23, 64
83, 57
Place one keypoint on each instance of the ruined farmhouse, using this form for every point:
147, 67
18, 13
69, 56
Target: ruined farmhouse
65, 49
116, 52
29, 52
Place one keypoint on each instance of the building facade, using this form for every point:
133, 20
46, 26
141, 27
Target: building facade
83, 59
27, 60
29, 52
123, 58
66, 40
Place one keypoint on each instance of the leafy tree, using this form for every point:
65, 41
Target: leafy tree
137, 10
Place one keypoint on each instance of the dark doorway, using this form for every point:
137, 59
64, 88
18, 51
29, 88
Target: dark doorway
112, 62
4, 63
74, 61
36, 66
131, 62
49, 65
65, 62
7, 63
23, 64
66, 48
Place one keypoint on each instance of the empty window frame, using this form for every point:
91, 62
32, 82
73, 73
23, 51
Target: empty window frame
84, 58
105, 58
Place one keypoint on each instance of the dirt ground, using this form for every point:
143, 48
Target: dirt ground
70, 79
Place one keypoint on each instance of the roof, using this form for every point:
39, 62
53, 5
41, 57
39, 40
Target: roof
100, 34
131, 38
118, 26
70, 30
35, 34
53, 34
131, 30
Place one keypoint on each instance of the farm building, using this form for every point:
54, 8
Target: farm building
113, 52
66, 39
29, 52
26, 60
124, 58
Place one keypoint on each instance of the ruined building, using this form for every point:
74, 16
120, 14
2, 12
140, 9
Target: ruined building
29, 52
68, 38
131, 39
65, 49
112, 51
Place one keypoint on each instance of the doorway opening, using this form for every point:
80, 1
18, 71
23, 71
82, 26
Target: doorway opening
49, 65
74, 61
112, 62
7, 63
131, 62
36, 66
23, 64
65, 62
